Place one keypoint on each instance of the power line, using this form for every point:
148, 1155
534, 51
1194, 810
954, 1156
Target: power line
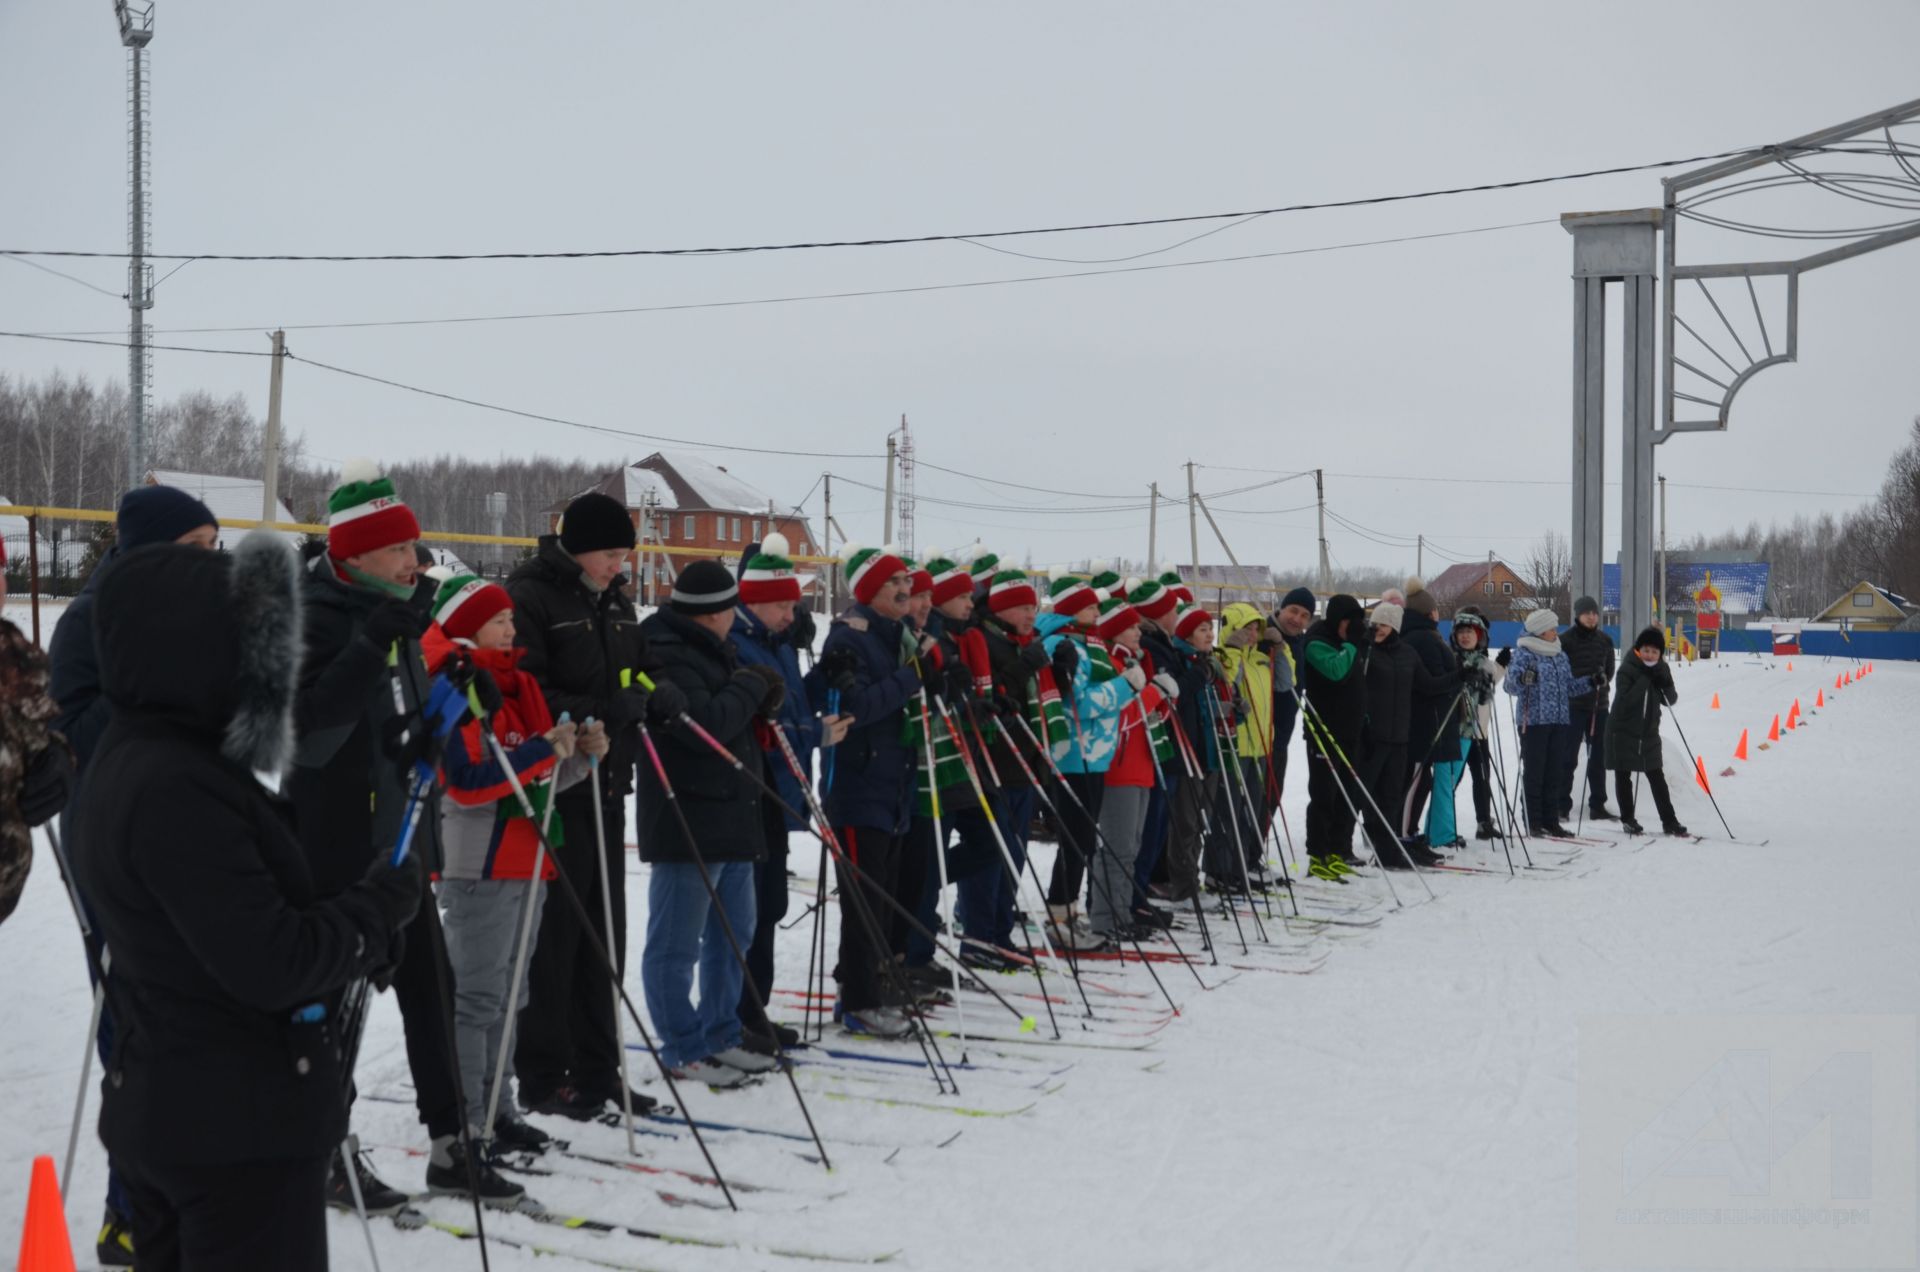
1369, 201
48, 269
808, 297
121, 344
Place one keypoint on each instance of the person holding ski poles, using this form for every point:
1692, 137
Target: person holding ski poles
1336, 711
1480, 745
224, 1100
1642, 686
1478, 675
1542, 683
1589, 653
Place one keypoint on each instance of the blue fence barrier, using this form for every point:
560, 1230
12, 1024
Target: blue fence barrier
1896, 646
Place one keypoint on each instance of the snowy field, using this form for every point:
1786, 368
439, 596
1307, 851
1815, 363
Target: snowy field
1415, 1102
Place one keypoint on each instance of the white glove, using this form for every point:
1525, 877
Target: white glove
1135, 677
1168, 685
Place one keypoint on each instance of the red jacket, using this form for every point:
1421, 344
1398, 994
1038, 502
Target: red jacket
500, 843
1133, 760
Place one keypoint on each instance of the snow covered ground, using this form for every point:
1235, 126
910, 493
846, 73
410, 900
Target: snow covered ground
1415, 1103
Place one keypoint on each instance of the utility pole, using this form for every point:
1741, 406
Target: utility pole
270, 480
1326, 564
1663, 552
828, 569
136, 32
886, 513
1193, 524
1153, 525
1420, 556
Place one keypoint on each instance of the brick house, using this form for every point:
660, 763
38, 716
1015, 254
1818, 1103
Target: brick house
1494, 586
680, 500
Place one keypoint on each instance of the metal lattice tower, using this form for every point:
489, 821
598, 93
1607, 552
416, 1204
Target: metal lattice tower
136, 32
906, 487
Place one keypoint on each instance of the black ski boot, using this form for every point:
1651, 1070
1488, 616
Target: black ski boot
114, 1246
1675, 829
511, 1135
454, 1179
1632, 827
1600, 813
566, 1102
380, 1197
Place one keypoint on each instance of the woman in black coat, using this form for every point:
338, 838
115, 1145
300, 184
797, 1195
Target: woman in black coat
1643, 684
224, 1096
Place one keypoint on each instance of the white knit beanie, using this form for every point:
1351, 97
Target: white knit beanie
1387, 614
1541, 621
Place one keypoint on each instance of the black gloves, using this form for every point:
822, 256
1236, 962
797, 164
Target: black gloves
769, 684
394, 890
486, 689
1034, 657
841, 667
801, 632
47, 783
932, 675
959, 686
1066, 657
1003, 706
664, 704
1506, 657
1530, 676
395, 620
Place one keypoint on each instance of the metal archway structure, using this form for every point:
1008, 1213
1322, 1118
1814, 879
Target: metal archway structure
1622, 246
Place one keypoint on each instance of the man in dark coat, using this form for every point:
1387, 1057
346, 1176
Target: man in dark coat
370, 653
583, 645
223, 1099
871, 799
1431, 737
1645, 684
1016, 659
1589, 653
1388, 669
1335, 717
686, 931
147, 515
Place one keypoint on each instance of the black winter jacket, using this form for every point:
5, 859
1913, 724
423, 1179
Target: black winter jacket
578, 642
349, 797
1436, 685
1589, 653
1340, 705
722, 805
1010, 677
75, 666
202, 894
1387, 670
1633, 725
873, 773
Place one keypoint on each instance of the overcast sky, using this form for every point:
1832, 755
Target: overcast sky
356, 126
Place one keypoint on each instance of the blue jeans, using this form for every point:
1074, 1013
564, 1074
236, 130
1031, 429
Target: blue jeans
1441, 826
985, 898
684, 934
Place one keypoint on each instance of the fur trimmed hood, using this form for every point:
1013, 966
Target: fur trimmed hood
209, 641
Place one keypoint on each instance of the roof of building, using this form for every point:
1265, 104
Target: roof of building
1742, 584
1893, 600
1227, 576
229, 498
676, 481
1465, 577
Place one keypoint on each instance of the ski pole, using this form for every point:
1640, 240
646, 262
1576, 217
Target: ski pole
1323, 738
99, 969
1228, 757
1497, 755
940, 856
349, 1150
1696, 766
606, 956
1235, 780
726, 926
1191, 763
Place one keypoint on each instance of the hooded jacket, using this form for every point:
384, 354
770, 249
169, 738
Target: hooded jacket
1335, 697
1093, 705
1540, 678
1633, 726
721, 804
755, 646
1436, 686
203, 896
1250, 672
75, 664
873, 770
581, 645
1387, 671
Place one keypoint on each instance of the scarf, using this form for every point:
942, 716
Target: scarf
1544, 648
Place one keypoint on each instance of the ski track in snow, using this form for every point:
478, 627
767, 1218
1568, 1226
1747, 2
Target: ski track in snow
1410, 1106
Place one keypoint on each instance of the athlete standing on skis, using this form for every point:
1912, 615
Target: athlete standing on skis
1544, 683
1644, 684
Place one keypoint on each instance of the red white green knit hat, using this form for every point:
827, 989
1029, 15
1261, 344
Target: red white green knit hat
1011, 589
983, 566
1172, 582
1069, 593
364, 514
768, 575
1105, 580
919, 578
950, 579
464, 604
1151, 598
1188, 617
1116, 615
868, 570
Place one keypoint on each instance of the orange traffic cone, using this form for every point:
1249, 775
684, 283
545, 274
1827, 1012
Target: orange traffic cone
1793, 715
44, 1246
1700, 774
1740, 752
1789, 664
1820, 699
1715, 704
1773, 734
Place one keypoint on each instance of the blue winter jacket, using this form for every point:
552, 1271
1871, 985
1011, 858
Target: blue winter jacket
1545, 700
873, 769
758, 647
1093, 711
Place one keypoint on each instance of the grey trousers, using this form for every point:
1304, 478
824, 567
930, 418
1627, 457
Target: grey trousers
1123, 815
482, 921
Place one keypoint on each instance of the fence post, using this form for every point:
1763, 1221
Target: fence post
33, 569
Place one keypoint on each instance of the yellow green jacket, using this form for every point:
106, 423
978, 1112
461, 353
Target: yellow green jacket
1250, 672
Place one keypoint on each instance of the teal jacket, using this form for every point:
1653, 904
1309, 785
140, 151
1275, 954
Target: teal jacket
1093, 710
